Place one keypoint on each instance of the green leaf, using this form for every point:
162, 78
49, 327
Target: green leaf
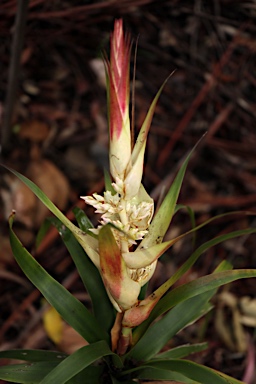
143, 292
163, 217
76, 362
193, 371
33, 355
108, 182
82, 219
191, 214
143, 133
152, 373
201, 249
141, 258
89, 375
42, 232
180, 294
182, 351
45, 200
102, 307
71, 309
176, 319
198, 286
180, 272
161, 332
87, 241
190, 211
29, 373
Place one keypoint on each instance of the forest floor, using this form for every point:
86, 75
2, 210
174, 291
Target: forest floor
59, 139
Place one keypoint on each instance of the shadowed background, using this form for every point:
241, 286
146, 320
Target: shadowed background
58, 136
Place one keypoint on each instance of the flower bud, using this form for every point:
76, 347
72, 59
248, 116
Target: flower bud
118, 76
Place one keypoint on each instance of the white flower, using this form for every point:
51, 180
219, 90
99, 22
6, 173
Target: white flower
114, 209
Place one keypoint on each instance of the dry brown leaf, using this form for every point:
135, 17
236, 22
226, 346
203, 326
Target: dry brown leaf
34, 130
19, 198
71, 340
52, 182
230, 330
29, 210
248, 311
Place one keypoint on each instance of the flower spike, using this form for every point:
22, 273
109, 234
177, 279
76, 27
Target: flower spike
126, 208
118, 74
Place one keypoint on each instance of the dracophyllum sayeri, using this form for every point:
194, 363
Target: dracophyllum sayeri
124, 248
128, 241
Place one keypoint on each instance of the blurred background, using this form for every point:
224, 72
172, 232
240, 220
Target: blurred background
54, 130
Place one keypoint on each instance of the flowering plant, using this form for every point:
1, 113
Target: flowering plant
125, 330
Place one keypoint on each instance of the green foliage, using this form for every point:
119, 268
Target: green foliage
163, 216
96, 363
181, 370
82, 219
89, 276
115, 352
71, 309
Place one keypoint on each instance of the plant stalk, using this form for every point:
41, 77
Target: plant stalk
13, 73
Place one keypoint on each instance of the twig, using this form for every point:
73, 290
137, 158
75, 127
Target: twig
13, 75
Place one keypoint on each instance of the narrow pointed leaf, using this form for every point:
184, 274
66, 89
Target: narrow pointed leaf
82, 219
84, 239
194, 289
157, 336
108, 182
163, 217
90, 277
143, 291
89, 375
32, 355
29, 373
71, 309
180, 272
191, 214
197, 372
136, 315
182, 351
179, 317
142, 136
42, 232
76, 362
33, 373
201, 285
134, 176
45, 200
152, 373
145, 256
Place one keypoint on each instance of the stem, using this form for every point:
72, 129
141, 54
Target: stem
13, 75
124, 341
116, 331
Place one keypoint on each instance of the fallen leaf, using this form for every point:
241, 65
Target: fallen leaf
53, 325
228, 322
52, 182
29, 210
34, 130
